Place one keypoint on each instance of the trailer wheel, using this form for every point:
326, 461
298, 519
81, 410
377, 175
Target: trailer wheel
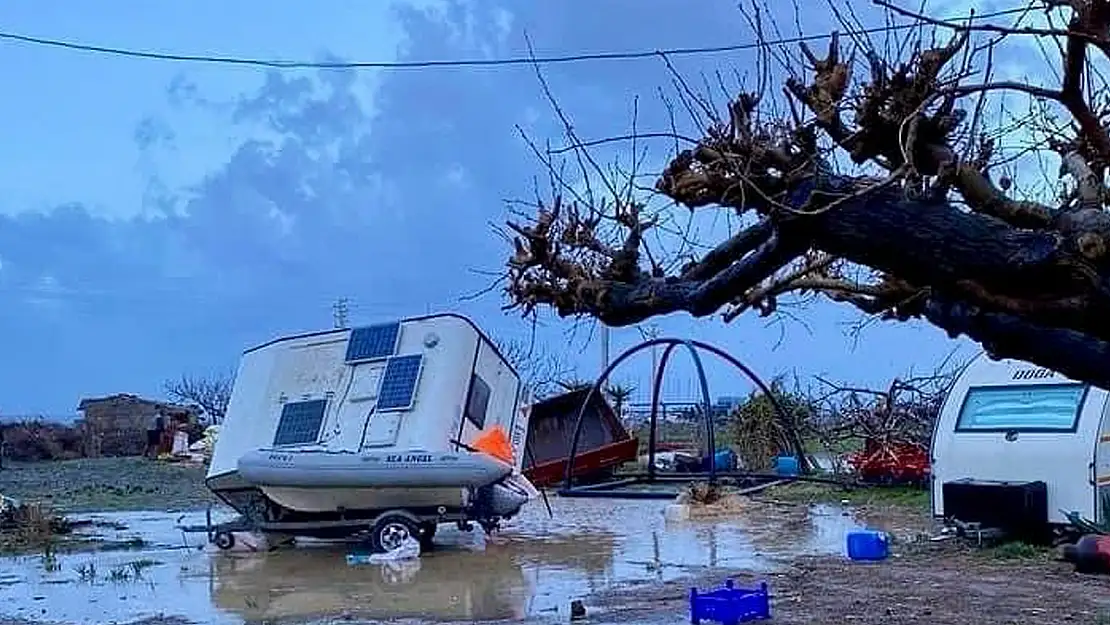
390, 531
223, 540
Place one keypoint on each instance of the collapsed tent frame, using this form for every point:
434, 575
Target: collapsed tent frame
616, 489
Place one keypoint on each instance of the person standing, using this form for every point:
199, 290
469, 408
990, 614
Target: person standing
154, 435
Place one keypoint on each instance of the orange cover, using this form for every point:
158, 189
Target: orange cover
495, 443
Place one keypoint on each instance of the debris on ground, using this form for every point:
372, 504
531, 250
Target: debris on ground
29, 525
1090, 554
408, 550
577, 610
700, 493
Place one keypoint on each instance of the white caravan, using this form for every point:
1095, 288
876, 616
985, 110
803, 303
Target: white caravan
1019, 445
334, 433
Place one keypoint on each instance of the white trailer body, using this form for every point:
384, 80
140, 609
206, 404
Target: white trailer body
1010, 422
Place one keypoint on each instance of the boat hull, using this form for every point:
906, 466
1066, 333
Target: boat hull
392, 469
322, 500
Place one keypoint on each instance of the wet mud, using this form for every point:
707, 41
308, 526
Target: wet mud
530, 571
950, 586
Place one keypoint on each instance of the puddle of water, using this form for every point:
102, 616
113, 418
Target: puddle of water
532, 568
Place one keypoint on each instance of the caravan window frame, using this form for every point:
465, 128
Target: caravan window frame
1072, 429
477, 401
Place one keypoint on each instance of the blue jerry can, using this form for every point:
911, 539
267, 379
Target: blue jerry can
868, 545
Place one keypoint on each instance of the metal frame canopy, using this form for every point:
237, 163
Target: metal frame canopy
617, 489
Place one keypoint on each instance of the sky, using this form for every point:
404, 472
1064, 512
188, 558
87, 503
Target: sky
158, 218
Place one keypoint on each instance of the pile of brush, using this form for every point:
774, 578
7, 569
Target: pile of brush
30, 523
759, 432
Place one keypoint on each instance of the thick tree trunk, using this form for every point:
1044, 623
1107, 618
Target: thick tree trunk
1072, 353
1063, 308
1021, 293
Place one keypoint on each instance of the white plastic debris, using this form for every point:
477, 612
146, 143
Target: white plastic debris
8, 504
180, 444
676, 512
408, 550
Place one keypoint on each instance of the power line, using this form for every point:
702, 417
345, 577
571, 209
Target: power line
540, 60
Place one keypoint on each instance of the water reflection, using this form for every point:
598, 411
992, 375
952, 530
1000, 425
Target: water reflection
317, 582
534, 567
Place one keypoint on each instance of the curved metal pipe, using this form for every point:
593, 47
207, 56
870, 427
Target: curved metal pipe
653, 418
656, 391
594, 390
799, 450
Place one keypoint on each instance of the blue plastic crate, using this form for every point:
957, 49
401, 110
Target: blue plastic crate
868, 545
730, 605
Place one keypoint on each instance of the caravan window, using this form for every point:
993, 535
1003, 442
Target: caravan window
478, 401
1028, 408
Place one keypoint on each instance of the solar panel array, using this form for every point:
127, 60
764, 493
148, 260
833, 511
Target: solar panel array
398, 388
373, 342
300, 422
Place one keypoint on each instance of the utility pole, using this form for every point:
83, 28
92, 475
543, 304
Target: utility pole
339, 312
650, 332
604, 347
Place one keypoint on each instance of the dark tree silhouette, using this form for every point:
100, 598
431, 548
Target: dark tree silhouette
871, 181
212, 394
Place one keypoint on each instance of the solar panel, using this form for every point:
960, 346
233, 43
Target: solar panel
398, 388
373, 342
300, 422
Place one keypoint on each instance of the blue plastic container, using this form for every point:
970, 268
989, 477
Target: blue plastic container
786, 465
724, 460
356, 559
868, 545
730, 605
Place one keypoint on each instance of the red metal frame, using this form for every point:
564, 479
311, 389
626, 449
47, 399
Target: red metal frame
598, 459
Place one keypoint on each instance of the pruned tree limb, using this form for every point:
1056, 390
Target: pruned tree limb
935, 237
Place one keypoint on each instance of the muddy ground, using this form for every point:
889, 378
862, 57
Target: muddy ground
945, 585
924, 582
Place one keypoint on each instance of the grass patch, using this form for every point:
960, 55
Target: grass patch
1017, 550
128, 572
108, 484
809, 492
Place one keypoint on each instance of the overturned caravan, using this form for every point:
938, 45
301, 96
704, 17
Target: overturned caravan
386, 430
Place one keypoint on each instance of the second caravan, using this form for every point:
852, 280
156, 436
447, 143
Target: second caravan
1019, 445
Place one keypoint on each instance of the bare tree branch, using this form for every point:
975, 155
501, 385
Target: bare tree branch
211, 393
926, 231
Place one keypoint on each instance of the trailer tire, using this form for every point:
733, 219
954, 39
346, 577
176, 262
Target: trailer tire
390, 530
223, 540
